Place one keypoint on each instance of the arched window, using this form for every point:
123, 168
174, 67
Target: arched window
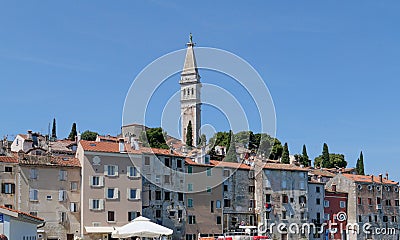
192, 91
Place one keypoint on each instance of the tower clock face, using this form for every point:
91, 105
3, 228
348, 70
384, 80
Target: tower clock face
96, 160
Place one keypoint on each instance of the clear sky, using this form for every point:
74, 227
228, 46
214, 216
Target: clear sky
332, 67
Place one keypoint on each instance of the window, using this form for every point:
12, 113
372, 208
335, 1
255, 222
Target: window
268, 198
190, 187
49, 197
218, 220
394, 219
302, 185
8, 188
251, 189
166, 179
318, 189
359, 218
227, 173
318, 201
63, 217
8, 169
62, 195
376, 218
284, 185
252, 203
179, 163
285, 199
396, 203
327, 216
251, 174
370, 201
167, 162
225, 187
326, 203
190, 202
33, 213
133, 193
112, 193
208, 171
147, 161
378, 200
180, 213
33, 173
190, 169
227, 203
208, 189
62, 175
111, 170
284, 215
192, 219
180, 197
132, 171
172, 213
212, 206
267, 216
158, 180
369, 218
8, 206
73, 207
218, 204
342, 204
33, 195
111, 216
132, 215
167, 196
96, 181
96, 204
388, 202
158, 213
158, 195
74, 186
359, 201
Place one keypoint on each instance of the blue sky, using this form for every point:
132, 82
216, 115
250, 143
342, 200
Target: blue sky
332, 67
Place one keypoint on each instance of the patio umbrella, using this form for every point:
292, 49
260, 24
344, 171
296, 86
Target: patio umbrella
141, 227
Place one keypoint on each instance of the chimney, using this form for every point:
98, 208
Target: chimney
380, 178
340, 170
372, 178
29, 136
387, 176
121, 144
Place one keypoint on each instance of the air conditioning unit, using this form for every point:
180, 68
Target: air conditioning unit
105, 236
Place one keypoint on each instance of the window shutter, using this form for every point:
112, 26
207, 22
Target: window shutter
90, 180
116, 170
115, 193
137, 171
128, 171
138, 194
31, 194
101, 181
61, 195
106, 170
90, 203
101, 204
128, 193
12, 188
3, 188
65, 175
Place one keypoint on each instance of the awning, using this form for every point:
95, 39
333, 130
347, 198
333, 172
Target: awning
99, 229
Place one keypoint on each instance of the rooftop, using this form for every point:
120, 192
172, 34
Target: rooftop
23, 213
368, 179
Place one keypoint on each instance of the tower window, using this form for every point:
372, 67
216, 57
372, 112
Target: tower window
192, 91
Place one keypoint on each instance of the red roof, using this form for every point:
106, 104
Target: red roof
282, 166
7, 159
49, 161
368, 179
23, 213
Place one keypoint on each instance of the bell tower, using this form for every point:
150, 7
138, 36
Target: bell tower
190, 95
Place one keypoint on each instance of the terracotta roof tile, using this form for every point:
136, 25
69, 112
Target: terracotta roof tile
50, 161
281, 166
368, 179
23, 213
7, 159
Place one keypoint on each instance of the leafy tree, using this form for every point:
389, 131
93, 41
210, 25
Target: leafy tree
89, 135
285, 154
335, 160
54, 131
189, 135
203, 140
219, 139
153, 137
304, 160
246, 139
360, 165
73, 132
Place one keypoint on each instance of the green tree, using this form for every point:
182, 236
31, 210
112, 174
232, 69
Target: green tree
231, 155
54, 131
360, 165
335, 160
285, 155
304, 160
326, 163
203, 140
189, 135
153, 137
89, 135
73, 133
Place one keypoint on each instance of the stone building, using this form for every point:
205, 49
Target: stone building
281, 198
335, 204
372, 201
9, 172
315, 202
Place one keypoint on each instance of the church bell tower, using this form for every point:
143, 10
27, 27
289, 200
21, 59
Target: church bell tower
190, 95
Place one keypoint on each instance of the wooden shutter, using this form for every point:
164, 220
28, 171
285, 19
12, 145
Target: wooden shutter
138, 194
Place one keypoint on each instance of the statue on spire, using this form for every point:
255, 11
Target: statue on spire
190, 38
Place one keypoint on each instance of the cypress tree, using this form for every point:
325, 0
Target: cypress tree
285, 154
360, 165
304, 157
189, 135
231, 155
73, 132
325, 157
53, 130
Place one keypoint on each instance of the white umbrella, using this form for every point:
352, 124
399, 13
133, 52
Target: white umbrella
141, 227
